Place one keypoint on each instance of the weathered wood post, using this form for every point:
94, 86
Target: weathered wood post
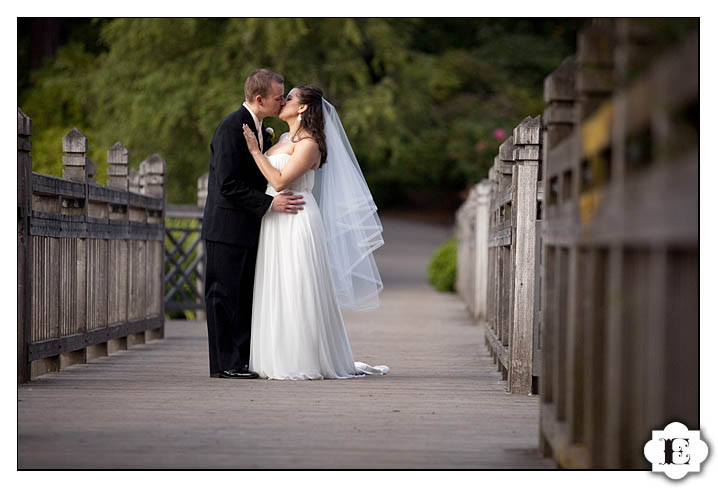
75, 163
560, 151
77, 284
24, 251
501, 251
137, 263
152, 178
598, 164
595, 78
118, 160
76, 166
507, 249
465, 221
492, 276
526, 155
133, 181
459, 235
508, 294
202, 186
470, 279
483, 216
559, 96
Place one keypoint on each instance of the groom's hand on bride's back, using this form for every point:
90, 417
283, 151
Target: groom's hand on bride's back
287, 202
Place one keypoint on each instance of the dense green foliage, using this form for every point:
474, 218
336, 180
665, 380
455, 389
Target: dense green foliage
419, 98
442, 268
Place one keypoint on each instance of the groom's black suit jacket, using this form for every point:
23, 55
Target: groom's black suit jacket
236, 200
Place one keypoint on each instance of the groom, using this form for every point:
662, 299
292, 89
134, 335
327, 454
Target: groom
233, 214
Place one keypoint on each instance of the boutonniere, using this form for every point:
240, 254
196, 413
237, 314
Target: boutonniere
269, 131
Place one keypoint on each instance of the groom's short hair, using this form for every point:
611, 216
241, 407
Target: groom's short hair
259, 83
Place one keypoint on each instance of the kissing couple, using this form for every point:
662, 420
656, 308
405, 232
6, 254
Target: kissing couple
280, 261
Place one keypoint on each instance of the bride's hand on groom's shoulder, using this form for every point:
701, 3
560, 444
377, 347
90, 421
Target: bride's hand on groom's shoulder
287, 202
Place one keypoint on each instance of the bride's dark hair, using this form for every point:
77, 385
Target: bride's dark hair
313, 118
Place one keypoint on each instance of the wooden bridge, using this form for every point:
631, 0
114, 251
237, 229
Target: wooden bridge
574, 332
443, 405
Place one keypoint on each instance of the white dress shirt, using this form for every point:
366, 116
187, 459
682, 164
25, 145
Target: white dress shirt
257, 126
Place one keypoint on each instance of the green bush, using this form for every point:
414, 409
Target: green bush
442, 269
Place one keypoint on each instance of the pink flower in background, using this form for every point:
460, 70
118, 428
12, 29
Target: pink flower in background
499, 134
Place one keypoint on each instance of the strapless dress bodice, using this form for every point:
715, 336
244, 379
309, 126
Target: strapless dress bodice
305, 183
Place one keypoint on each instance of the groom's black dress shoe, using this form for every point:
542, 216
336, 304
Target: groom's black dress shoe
238, 373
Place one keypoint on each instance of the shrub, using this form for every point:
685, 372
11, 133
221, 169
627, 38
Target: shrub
442, 269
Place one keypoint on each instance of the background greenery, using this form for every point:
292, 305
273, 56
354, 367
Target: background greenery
421, 99
441, 271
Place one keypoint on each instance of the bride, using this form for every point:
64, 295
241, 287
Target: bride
311, 263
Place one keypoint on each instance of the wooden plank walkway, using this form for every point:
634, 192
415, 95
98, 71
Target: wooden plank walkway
443, 406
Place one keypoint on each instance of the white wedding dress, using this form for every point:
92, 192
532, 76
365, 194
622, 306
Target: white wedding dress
298, 330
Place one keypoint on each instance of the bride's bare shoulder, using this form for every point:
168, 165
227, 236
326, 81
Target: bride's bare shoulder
308, 148
284, 137
308, 143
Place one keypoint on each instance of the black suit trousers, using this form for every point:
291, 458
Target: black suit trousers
229, 285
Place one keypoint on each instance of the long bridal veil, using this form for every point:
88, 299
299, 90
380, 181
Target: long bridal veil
351, 223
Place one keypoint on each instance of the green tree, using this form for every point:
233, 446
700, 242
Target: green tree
419, 98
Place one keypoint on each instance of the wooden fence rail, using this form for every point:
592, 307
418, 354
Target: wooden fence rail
90, 257
512, 253
472, 227
621, 251
497, 249
466, 242
615, 273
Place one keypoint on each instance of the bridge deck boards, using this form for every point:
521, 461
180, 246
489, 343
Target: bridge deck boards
443, 406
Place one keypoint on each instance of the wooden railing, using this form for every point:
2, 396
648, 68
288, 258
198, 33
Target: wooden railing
615, 311
621, 250
90, 257
512, 256
498, 246
467, 241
